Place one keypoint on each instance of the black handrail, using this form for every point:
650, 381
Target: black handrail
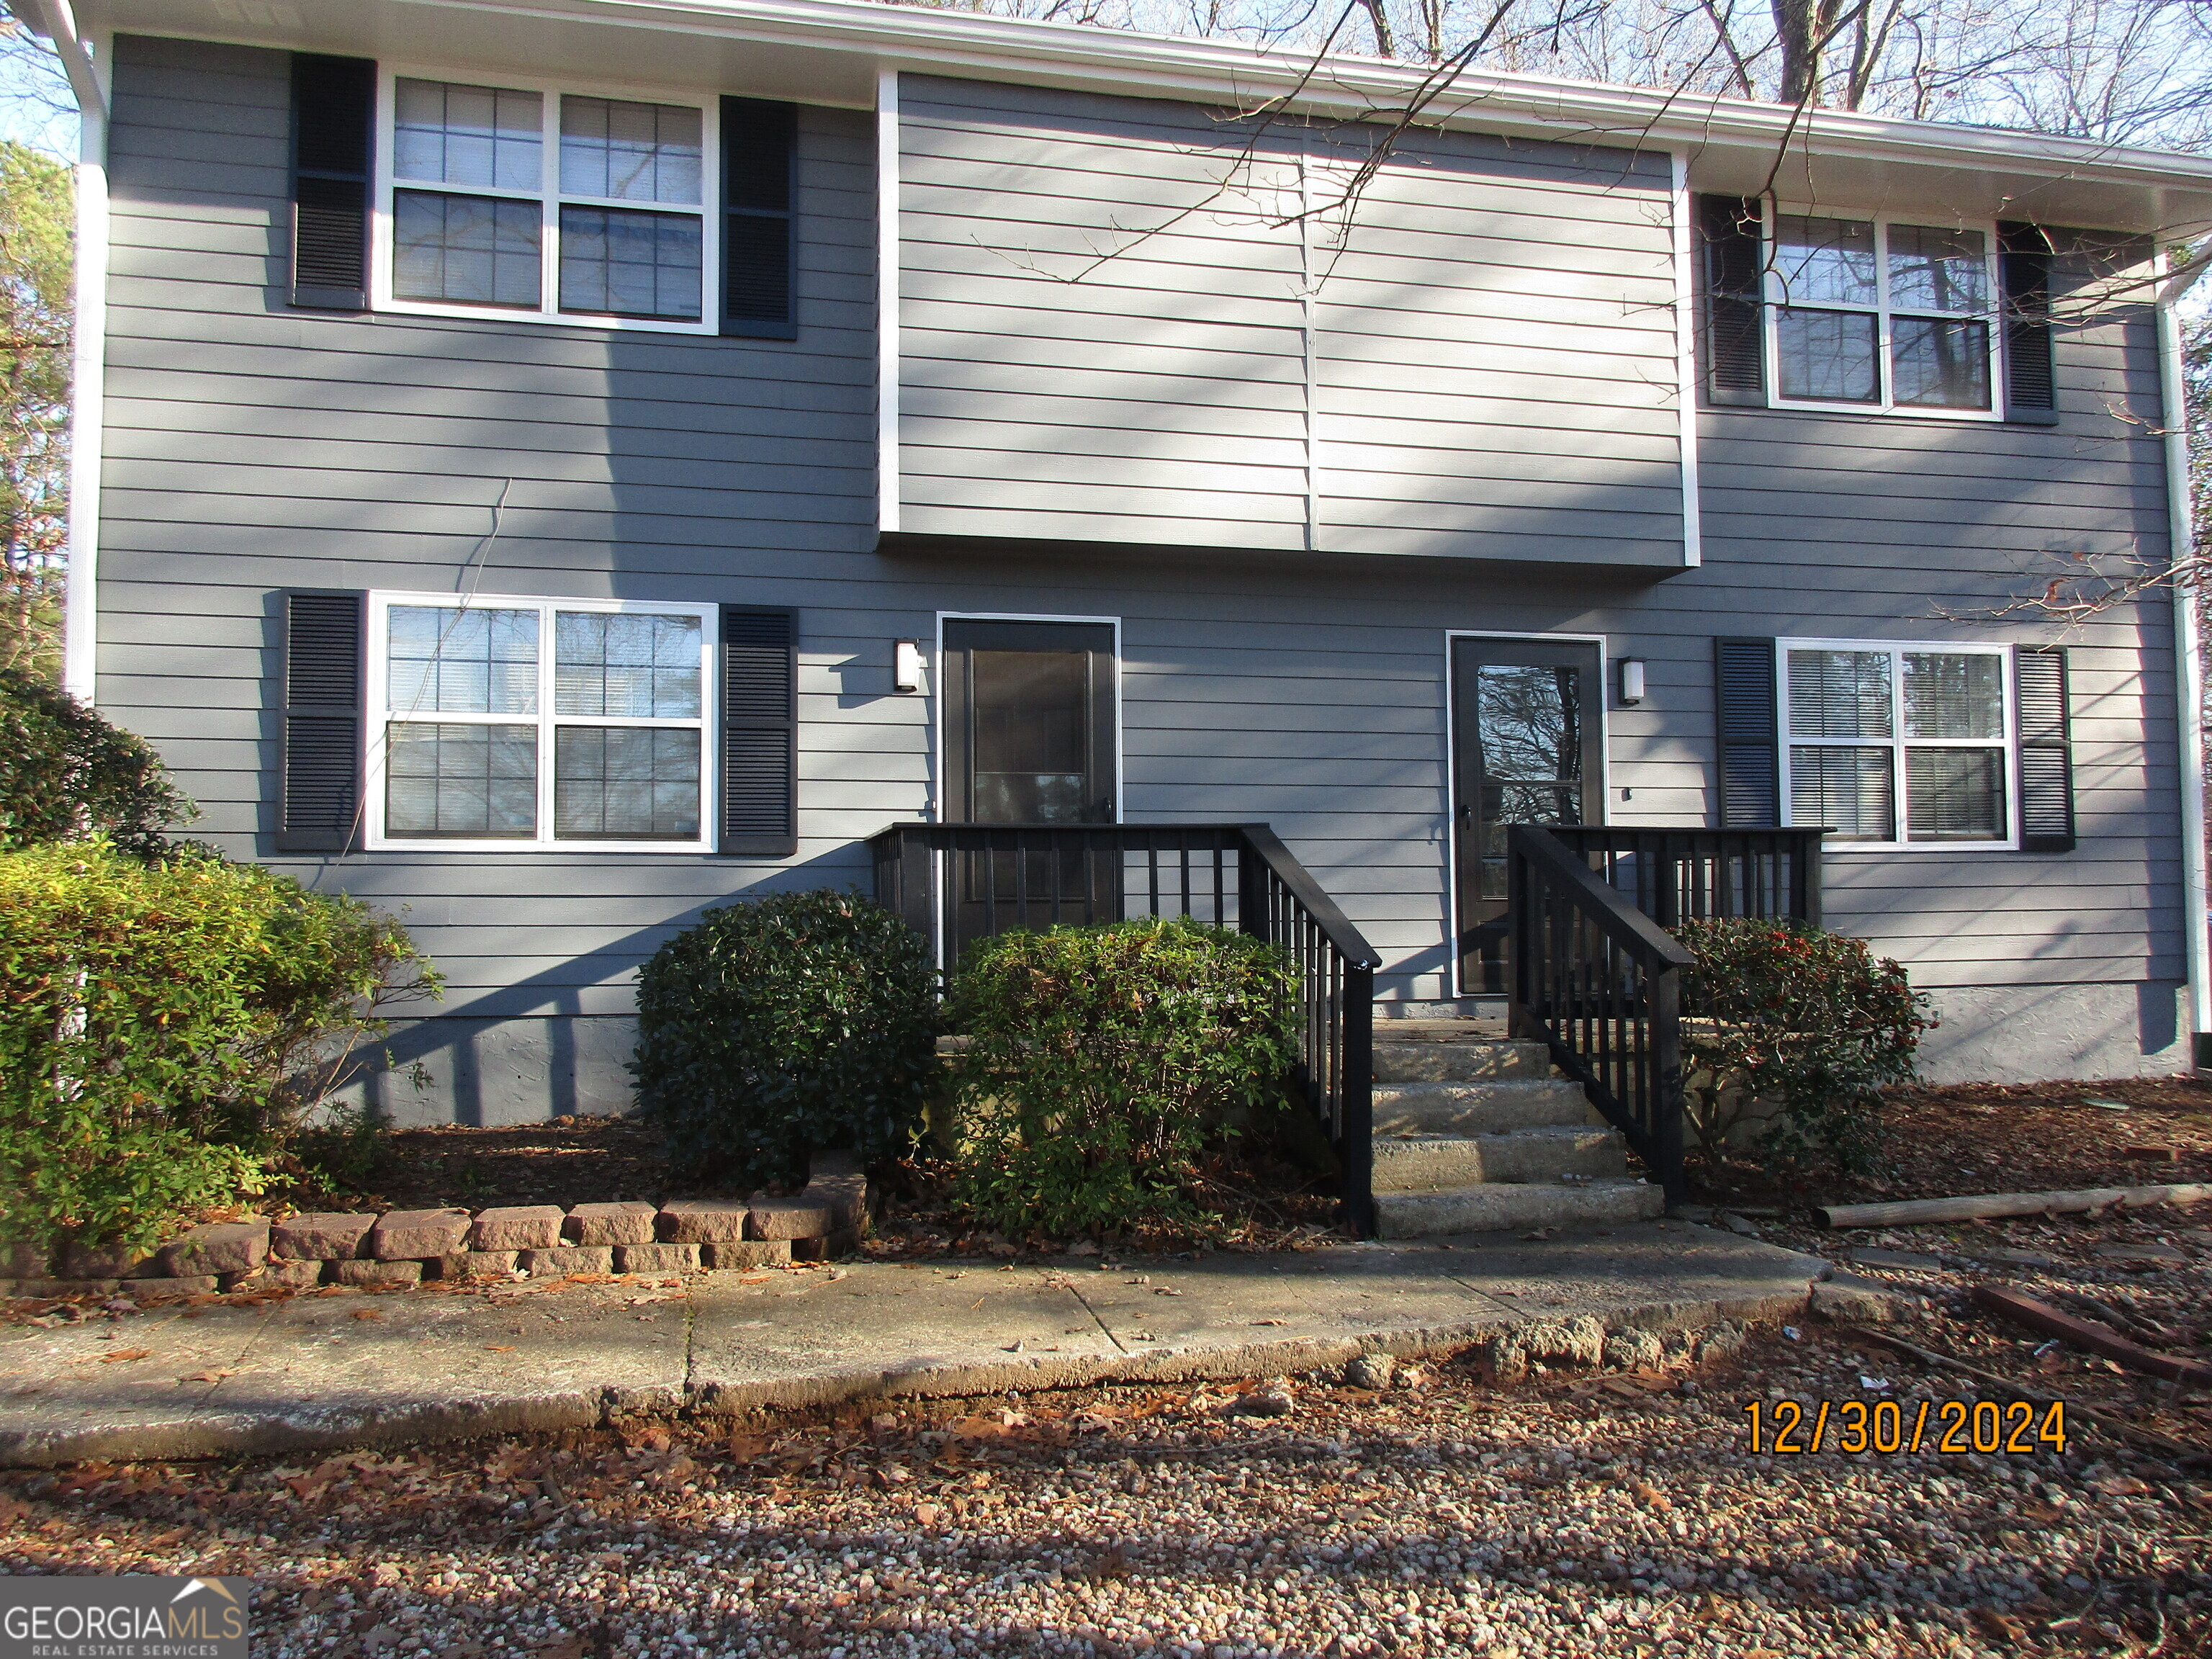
955, 883
1682, 875
1599, 983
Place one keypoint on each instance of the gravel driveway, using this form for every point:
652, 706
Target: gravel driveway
1567, 1515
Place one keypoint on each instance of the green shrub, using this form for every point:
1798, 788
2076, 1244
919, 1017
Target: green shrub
781, 1024
1811, 1024
1098, 1059
164, 1027
65, 773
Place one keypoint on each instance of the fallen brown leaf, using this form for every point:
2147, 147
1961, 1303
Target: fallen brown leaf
367, 1313
499, 1348
122, 1354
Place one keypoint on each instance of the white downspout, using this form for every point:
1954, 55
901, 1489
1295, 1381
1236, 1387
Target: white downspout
2189, 676
887, 301
88, 80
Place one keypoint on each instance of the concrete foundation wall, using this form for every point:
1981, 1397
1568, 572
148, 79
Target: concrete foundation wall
2034, 1033
487, 1073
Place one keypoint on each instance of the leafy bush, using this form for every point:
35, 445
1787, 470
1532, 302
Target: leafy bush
781, 1024
1809, 1025
65, 773
164, 1027
1099, 1058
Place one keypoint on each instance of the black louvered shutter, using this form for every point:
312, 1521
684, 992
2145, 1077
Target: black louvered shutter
334, 117
2030, 378
2046, 750
318, 797
760, 730
1731, 349
1749, 743
759, 188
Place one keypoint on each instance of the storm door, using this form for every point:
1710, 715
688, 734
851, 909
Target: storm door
1030, 739
1526, 735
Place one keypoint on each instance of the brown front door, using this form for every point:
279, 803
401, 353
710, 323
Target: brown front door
1029, 738
1527, 720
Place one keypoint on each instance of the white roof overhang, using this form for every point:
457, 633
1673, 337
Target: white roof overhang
831, 51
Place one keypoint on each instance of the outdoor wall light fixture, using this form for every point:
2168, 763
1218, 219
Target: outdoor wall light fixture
1632, 681
906, 666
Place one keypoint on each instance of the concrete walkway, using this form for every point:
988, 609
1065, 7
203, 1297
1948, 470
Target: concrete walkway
327, 1370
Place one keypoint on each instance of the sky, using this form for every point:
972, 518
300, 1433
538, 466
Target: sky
35, 107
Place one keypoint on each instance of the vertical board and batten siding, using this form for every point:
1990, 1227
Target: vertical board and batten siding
252, 449
1116, 326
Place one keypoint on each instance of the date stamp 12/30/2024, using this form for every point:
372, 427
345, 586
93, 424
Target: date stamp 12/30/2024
1788, 1428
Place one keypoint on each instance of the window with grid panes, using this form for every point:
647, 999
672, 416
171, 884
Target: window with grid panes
1897, 743
549, 203
533, 723
1878, 313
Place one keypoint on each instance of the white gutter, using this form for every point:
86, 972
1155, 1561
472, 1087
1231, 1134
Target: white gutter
2189, 679
87, 78
928, 40
887, 303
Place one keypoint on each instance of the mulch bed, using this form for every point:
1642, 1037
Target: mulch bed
2016, 1138
1263, 1201
570, 1160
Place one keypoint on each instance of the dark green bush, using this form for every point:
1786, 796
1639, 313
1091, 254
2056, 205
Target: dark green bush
1099, 1059
165, 1026
1812, 1025
782, 1025
66, 774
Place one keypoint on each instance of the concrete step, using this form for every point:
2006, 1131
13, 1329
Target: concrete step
1439, 1162
1500, 1205
1418, 1060
1477, 1109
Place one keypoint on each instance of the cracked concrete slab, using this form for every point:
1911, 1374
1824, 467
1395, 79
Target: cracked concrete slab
325, 1371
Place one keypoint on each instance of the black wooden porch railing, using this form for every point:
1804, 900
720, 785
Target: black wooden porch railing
1597, 979
955, 883
1682, 875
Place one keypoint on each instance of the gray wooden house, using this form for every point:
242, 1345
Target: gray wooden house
550, 468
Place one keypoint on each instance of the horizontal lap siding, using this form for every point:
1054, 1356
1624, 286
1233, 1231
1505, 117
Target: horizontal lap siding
1058, 266
1491, 356
251, 448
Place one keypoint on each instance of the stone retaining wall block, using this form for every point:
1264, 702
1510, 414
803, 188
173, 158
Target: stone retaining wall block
376, 1272
754, 1253
703, 1221
217, 1247
336, 1237
656, 1258
569, 1259
517, 1227
26, 1262
838, 1180
484, 1264
787, 1217
627, 1222
103, 1262
418, 1234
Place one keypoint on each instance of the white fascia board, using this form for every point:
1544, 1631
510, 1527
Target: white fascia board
1732, 142
956, 43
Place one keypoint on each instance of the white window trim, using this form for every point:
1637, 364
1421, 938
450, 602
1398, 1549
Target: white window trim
1898, 743
380, 715
1771, 292
550, 198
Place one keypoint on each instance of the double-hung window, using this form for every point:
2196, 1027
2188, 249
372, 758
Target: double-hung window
540, 723
545, 203
1878, 313
1898, 744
